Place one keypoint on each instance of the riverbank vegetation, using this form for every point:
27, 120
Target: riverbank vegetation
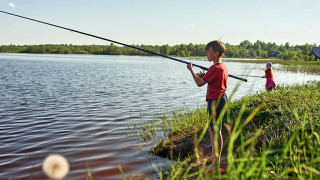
272, 135
245, 49
296, 66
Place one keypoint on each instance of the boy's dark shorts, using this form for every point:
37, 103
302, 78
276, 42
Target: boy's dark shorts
223, 101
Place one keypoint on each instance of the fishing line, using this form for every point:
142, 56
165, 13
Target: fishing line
151, 52
248, 76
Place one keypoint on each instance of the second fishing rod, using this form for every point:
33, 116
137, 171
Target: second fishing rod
123, 44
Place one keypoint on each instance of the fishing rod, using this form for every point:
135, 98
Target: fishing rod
151, 52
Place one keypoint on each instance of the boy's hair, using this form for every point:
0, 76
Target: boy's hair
217, 46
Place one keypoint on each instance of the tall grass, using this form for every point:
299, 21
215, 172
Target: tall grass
273, 135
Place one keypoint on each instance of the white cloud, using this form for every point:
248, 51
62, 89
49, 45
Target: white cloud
309, 31
192, 25
12, 5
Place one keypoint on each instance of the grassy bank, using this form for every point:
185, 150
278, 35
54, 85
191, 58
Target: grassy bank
268, 135
297, 66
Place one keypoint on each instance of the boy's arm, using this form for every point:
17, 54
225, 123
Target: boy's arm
199, 81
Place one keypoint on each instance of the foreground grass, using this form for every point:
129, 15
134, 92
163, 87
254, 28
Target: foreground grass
272, 135
296, 66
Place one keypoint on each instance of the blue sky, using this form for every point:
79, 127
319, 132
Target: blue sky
161, 22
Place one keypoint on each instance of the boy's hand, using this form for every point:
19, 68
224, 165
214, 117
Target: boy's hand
200, 74
189, 66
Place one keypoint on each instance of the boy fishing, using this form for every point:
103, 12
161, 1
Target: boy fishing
216, 78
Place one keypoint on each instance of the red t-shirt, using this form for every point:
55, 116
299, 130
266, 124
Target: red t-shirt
268, 73
216, 77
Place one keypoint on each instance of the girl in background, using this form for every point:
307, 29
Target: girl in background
270, 84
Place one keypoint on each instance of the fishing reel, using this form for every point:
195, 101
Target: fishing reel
201, 74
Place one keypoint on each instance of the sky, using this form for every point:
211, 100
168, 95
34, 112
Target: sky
161, 22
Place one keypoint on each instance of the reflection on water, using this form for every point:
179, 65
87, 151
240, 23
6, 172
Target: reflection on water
80, 106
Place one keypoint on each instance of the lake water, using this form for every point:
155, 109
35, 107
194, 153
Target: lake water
81, 106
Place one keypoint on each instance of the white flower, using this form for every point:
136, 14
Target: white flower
55, 166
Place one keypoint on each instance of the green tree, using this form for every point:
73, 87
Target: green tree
246, 44
252, 52
243, 52
289, 55
165, 49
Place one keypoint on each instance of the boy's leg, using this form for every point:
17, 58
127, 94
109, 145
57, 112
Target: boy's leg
221, 102
220, 144
212, 158
212, 115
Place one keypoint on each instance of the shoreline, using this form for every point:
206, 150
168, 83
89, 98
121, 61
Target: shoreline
312, 67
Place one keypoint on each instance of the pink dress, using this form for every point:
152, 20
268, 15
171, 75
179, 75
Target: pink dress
270, 82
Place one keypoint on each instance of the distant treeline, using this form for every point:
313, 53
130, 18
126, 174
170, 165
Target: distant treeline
245, 49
